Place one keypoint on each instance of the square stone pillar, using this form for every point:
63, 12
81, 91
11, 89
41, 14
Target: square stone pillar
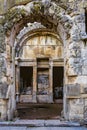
51, 81
17, 69
34, 91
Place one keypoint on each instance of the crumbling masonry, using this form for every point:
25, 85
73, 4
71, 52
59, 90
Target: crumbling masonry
43, 34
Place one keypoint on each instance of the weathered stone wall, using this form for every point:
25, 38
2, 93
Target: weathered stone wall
65, 17
3, 77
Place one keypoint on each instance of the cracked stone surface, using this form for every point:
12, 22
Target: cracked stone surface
66, 18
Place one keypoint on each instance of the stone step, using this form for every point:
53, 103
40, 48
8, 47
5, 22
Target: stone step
40, 123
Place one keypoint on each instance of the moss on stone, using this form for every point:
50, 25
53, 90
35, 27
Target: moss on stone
22, 1
37, 6
13, 16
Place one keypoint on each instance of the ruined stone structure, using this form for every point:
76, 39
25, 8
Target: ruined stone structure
43, 48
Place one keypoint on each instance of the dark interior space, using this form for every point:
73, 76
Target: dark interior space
39, 111
57, 83
26, 80
42, 60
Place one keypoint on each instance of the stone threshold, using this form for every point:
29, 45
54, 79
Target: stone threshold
40, 123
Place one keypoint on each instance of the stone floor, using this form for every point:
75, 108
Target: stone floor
39, 111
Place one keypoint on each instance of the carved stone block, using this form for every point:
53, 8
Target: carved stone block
73, 90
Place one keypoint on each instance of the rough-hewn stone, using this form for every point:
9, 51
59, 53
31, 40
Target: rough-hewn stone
64, 17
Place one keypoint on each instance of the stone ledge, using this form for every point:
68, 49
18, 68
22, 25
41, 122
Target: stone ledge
40, 123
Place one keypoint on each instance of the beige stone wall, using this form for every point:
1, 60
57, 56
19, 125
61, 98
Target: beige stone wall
67, 19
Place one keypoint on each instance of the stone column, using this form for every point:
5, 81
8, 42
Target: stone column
17, 82
34, 83
51, 81
13, 107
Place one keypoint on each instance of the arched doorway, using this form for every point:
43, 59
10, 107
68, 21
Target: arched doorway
40, 65
29, 13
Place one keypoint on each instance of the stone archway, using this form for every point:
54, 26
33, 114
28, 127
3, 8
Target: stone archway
49, 15
42, 50
39, 58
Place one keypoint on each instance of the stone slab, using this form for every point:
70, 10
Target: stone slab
40, 123
61, 123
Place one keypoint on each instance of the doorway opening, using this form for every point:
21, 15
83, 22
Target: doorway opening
41, 109
26, 80
58, 75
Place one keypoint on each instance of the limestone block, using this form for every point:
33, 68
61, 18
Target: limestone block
85, 110
80, 18
21, 1
85, 101
75, 45
81, 26
73, 89
2, 39
78, 69
5, 5
76, 37
3, 109
3, 90
84, 70
70, 0
71, 71
84, 53
84, 90
76, 34
85, 62
51, 10
85, 4
26, 98
3, 87
8, 51
78, 61
48, 51
44, 98
71, 62
74, 66
81, 80
75, 52
76, 109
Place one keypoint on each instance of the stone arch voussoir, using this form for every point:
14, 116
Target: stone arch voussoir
39, 12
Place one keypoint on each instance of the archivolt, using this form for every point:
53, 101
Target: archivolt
50, 15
